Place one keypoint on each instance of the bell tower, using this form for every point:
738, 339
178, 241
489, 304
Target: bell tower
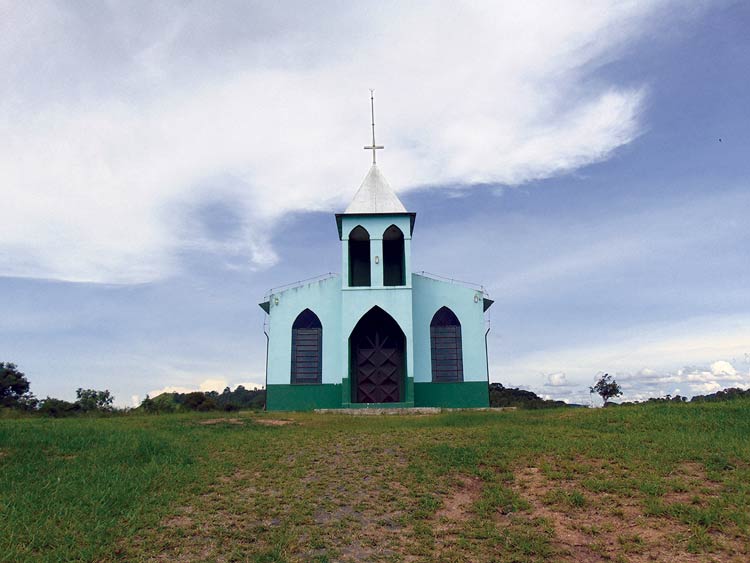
375, 254
376, 284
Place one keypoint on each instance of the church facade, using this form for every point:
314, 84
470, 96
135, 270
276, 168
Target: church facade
378, 335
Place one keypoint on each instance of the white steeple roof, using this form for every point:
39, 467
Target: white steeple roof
375, 196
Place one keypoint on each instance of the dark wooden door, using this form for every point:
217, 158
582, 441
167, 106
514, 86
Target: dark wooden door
379, 360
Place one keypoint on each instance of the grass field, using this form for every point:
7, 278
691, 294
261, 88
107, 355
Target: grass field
665, 482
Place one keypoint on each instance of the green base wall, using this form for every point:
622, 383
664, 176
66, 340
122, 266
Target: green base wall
465, 395
303, 397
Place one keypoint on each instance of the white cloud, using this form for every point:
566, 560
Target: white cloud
135, 113
213, 384
209, 384
723, 368
695, 379
697, 376
171, 389
705, 388
664, 349
557, 379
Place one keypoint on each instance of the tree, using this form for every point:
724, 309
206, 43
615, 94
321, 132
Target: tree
606, 387
199, 401
58, 407
92, 400
14, 387
148, 405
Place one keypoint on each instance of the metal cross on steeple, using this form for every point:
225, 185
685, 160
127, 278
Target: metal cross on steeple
373, 147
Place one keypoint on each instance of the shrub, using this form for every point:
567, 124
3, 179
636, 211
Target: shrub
58, 407
198, 401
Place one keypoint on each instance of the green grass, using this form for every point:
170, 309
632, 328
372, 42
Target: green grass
659, 480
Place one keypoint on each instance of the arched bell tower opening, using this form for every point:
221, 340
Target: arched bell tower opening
377, 352
393, 257
359, 257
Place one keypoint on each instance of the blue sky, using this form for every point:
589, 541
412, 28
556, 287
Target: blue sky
165, 167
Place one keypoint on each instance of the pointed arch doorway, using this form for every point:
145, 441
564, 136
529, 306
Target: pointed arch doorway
377, 354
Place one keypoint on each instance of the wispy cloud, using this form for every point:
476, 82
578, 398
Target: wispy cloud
140, 113
651, 364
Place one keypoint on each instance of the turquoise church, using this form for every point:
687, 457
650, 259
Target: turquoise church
378, 335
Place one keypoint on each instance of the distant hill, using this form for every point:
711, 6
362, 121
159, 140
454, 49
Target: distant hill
227, 400
728, 394
501, 396
723, 395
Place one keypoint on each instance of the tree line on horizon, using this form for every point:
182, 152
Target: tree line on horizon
15, 394
227, 400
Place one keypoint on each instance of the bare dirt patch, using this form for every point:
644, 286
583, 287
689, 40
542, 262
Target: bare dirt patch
690, 485
322, 506
221, 421
457, 506
178, 521
179, 555
240, 475
691, 469
273, 422
606, 526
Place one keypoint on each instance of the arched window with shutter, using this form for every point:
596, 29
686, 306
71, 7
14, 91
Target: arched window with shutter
307, 348
445, 341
